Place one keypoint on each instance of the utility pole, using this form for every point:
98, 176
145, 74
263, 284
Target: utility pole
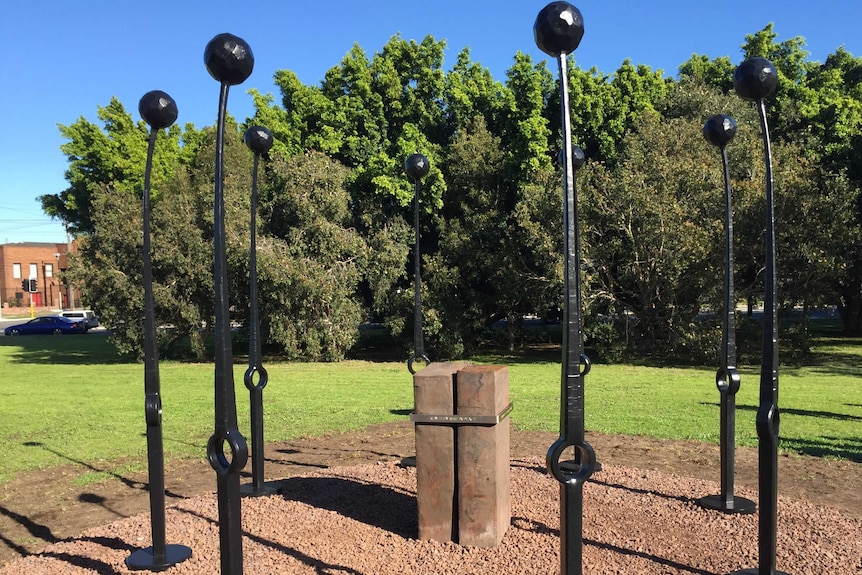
69, 251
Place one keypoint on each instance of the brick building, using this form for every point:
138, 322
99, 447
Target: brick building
34, 260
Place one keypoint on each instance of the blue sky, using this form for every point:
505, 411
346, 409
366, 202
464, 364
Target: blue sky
62, 59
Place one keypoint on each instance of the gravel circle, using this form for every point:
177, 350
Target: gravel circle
361, 520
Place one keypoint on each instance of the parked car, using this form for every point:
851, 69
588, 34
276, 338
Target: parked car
85, 315
47, 325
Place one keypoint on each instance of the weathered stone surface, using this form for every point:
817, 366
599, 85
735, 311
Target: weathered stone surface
433, 393
483, 483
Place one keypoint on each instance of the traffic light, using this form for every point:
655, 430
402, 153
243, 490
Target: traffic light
32, 286
25, 285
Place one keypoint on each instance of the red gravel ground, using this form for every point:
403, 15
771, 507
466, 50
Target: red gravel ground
348, 506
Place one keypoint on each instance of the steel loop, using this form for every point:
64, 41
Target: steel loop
248, 378
587, 364
766, 422
153, 409
727, 380
587, 463
410, 361
238, 453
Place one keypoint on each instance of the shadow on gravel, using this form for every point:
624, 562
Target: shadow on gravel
657, 560
319, 566
650, 492
371, 504
96, 566
527, 524
110, 542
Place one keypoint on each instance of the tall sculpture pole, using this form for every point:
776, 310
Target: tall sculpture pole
230, 61
558, 30
417, 166
159, 111
719, 130
259, 140
754, 80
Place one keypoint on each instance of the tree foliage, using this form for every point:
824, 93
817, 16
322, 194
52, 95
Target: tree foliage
336, 233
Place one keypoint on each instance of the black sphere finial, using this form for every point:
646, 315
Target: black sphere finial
229, 59
416, 166
719, 130
578, 157
157, 109
558, 29
258, 139
755, 79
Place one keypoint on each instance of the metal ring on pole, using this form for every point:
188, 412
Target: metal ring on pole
587, 464
413, 358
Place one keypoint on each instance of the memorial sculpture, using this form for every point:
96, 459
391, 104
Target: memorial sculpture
558, 30
719, 131
417, 166
230, 61
259, 140
754, 80
159, 111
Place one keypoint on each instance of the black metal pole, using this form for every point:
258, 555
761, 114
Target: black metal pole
159, 111
754, 80
558, 30
230, 61
259, 140
417, 166
719, 130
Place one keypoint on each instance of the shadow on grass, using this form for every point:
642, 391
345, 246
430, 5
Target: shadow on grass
82, 349
838, 364
838, 356
801, 412
128, 482
840, 447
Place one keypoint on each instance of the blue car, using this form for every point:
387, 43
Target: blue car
46, 326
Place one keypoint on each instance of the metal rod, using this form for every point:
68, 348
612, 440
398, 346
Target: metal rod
417, 166
558, 30
230, 61
754, 80
419, 343
152, 385
259, 140
159, 111
767, 413
719, 130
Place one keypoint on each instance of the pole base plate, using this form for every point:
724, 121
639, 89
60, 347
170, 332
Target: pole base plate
249, 489
739, 505
143, 559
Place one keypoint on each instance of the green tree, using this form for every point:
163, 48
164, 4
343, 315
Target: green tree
652, 229
498, 254
310, 260
108, 266
717, 72
112, 156
819, 108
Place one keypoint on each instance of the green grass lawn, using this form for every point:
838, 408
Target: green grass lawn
70, 399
